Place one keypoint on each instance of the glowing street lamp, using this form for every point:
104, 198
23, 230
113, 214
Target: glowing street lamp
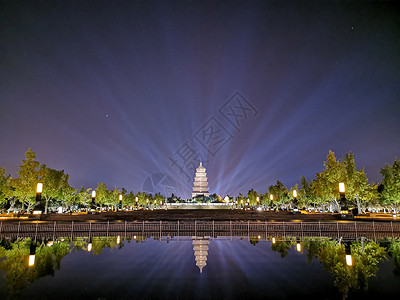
343, 204
32, 254
273, 240
342, 188
295, 200
118, 240
258, 200
38, 203
271, 197
349, 257
39, 188
90, 245
298, 245
93, 198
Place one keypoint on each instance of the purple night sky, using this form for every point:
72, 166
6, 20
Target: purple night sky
125, 92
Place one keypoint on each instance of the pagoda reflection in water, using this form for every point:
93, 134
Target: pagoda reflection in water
200, 249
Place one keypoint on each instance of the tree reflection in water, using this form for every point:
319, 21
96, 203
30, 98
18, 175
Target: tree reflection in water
14, 261
331, 253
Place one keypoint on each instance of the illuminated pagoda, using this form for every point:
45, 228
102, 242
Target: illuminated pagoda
200, 249
200, 185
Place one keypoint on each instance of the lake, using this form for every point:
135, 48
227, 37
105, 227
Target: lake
133, 265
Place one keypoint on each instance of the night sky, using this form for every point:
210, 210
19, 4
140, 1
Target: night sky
136, 93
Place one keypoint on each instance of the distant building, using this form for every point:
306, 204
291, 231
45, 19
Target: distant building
200, 185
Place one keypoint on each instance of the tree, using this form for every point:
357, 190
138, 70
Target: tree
279, 192
55, 185
357, 188
29, 175
252, 196
390, 194
101, 194
366, 257
326, 185
306, 194
83, 196
5, 189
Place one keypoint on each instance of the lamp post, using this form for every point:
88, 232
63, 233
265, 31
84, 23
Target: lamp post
271, 197
93, 199
295, 201
38, 201
32, 254
349, 257
136, 200
298, 245
258, 200
120, 201
343, 201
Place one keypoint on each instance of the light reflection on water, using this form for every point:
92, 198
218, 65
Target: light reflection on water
170, 269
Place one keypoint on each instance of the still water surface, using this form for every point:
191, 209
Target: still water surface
198, 268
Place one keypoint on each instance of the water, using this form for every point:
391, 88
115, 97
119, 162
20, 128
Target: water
198, 268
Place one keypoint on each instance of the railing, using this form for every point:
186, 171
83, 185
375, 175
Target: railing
158, 229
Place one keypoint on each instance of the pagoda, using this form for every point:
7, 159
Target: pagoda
200, 185
200, 249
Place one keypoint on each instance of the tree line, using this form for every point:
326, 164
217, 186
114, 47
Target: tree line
321, 192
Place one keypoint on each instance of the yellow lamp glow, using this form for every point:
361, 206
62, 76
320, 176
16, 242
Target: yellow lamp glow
349, 260
342, 188
259, 237
241, 201
258, 199
118, 240
39, 188
89, 247
147, 200
298, 247
136, 199
294, 194
273, 240
31, 261
248, 200
271, 197
134, 237
93, 194
120, 197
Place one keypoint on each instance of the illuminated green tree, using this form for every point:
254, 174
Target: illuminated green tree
390, 195
55, 186
83, 197
252, 196
306, 193
29, 175
280, 193
326, 184
102, 197
5, 189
